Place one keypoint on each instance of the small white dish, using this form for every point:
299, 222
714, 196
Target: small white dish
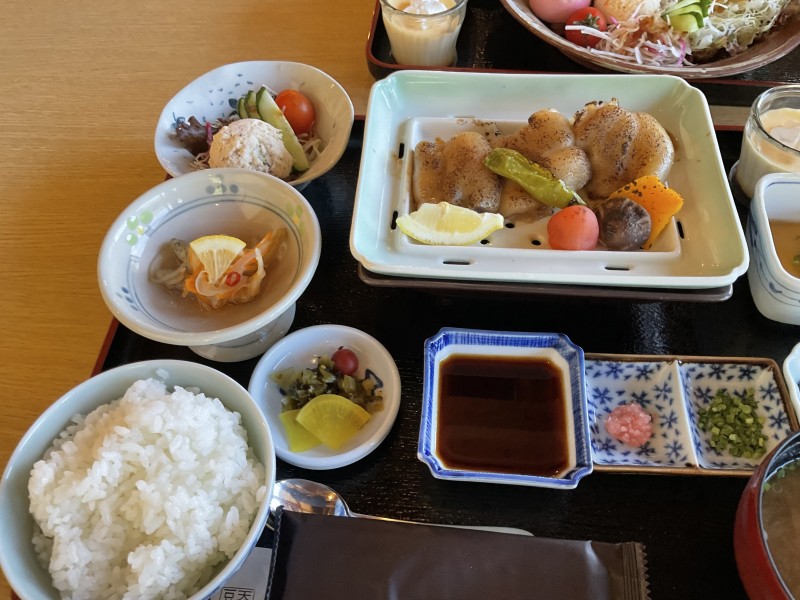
706, 250
301, 349
238, 202
215, 94
775, 291
656, 386
558, 351
702, 380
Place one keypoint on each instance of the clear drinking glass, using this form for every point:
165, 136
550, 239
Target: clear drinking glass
423, 39
771, 137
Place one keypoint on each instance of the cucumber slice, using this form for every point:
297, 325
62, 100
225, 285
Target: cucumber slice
272, 114
240, 108
686, 22
250, 105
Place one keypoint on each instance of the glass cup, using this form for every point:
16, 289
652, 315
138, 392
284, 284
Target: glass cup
771, 137
427, 40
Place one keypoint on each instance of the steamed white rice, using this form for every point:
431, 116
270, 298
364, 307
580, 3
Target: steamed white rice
143, 496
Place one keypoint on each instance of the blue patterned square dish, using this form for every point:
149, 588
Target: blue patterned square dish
702, 380
655, 385
568, 403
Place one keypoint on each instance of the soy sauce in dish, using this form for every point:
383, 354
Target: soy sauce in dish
502, 414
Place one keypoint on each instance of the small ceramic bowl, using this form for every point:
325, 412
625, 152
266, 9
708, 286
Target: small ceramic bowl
17, 555
302, 349
237, 202
457, 431
216, 93
775, 291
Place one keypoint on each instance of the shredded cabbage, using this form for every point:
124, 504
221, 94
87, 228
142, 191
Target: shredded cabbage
731, 25
734, 25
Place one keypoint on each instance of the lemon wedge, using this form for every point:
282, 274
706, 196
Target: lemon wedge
445, 224
300, 439
216, 253
332, 419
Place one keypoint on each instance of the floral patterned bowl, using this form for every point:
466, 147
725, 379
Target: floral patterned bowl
215, 94
237, 202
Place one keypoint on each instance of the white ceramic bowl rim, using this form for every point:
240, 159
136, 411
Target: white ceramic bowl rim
152, 329
14, 558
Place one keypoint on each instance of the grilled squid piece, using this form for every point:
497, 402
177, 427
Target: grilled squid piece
454, 172
621, 146
549, 141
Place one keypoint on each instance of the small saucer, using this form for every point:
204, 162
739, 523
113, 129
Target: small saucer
302, 349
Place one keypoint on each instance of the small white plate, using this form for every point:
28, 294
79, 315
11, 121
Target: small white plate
301, 349
706, 250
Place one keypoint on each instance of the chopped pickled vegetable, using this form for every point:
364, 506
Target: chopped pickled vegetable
299, 386
734, 425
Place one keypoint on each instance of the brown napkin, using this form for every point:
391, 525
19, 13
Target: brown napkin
341, 558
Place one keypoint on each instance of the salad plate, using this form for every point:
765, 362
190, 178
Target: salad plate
704, 247
774, 46
673, 390
215, 94
302, 349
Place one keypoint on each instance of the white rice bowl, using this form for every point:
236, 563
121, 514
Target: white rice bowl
157, 494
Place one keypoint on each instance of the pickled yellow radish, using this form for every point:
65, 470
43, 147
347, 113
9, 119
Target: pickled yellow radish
332, 419
300, 439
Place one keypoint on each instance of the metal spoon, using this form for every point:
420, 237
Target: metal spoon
302, 495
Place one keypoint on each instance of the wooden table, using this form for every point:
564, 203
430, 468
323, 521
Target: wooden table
83, 85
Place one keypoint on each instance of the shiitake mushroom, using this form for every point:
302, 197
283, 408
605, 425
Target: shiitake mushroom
624, 224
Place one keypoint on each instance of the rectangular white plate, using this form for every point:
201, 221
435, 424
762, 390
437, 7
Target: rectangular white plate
705, 248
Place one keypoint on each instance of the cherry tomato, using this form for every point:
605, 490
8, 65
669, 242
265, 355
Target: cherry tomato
573, 228
297, 109
345, 361
587, 17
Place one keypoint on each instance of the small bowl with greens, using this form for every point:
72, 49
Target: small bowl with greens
330, 393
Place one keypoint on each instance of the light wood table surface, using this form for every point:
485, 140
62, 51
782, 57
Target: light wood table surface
82, 86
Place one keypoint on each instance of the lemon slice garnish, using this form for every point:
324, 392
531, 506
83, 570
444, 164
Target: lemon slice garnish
445, 224
332, 419
217, 253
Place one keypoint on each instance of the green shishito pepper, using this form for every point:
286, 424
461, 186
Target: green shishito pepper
534, 179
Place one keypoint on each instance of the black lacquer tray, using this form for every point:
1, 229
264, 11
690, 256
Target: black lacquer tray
686, 522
